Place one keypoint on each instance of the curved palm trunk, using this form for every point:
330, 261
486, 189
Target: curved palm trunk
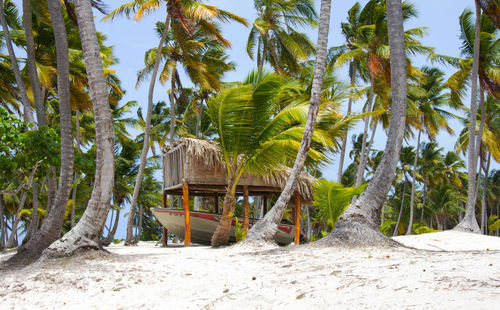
13, 231
86, 233
147, 132
221, 234
30, 59
344, 139
469, 222
51, 227
33, 227
265, 229
111, 236
28, 115
395, 233
361, 166
413, 183
359, 224
484, 216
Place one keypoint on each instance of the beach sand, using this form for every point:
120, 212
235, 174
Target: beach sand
452, 270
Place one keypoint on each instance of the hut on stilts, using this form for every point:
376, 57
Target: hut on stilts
194, 168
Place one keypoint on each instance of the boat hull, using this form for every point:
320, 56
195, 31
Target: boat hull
203, 225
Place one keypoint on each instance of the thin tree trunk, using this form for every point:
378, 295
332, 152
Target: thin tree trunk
414, 181
221, 234
484, 216
54, 219
147, 132
139, 225
33, 227
309, 226
17, 218
28, 115
198, 119
2, 225
361, 166
265, 229
344, 139
111, 236
469, 222
423, 203
395, 233
479, 140
86, 233
275, 58
359, 224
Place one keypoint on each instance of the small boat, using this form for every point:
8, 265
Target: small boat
203, 225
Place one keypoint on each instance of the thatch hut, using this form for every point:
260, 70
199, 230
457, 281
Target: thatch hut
193, 167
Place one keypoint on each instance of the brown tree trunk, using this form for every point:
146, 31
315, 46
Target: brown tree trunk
395, 233
111, 236
265, 230
469, 222
413, 184
484, 215
13, 230
51, 227
28, 115
359, 224
86, 233
147, 132
2, 226
221, 234
33, 226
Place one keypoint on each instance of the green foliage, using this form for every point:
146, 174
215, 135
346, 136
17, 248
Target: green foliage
493, 223
421, 228
332, 199
387, 226
240, 233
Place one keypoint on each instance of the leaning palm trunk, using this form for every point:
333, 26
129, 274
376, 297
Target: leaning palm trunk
359, 224
344, 139
30, 59
469, 222
147, 132
221, 234
395, 233
86, 233
13, 231
265, 229
484, 216
51, 227
413, 184
111, 236
28, 115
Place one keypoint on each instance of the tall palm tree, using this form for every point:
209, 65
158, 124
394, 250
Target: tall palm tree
492, 9
87, 232
51, 227
359, 224
265, 230
273, 37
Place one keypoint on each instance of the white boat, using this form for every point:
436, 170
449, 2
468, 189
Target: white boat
203, 225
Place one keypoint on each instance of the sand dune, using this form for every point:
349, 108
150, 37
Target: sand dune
464, 276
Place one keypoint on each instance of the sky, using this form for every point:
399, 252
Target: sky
132, 39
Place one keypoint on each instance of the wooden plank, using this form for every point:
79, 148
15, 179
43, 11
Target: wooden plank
164, 239
246, 209
297, 217
187, 222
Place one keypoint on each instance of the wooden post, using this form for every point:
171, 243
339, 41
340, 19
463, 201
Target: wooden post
246, 209
187, 222
265, 207
297, 218
164, 239
216, 205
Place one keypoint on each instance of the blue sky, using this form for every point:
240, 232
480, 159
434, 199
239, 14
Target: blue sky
132, 39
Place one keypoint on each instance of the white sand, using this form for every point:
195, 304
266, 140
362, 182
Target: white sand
149, 277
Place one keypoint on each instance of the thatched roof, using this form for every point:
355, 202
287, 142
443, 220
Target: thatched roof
209, 153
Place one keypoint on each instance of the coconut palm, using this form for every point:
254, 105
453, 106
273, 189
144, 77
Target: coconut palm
274, 37
492, 9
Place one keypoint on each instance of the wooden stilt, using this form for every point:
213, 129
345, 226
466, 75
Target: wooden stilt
297, 218
164, 238
187, 222
217, 205
246, 209
265, 206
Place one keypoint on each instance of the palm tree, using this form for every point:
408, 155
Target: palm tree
182, 15
252, 141
87, 232
273, 37
359, 224
265, 230
492, 9
428, 115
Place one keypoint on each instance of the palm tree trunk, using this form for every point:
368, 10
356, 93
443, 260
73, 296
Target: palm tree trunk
147, 132
111, 236
344, 139
139, 225
198, 119
33, 227
395, 233
28, 115
484, 216
51, 227
2, 226
221, 234
13, 230
479, 140
75, 185
277, 67
86, 233
361, 166
469, 222
359, 224
423, 203
414, 181
265, 229
30, 59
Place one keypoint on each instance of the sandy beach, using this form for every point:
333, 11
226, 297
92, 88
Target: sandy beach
451, 270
